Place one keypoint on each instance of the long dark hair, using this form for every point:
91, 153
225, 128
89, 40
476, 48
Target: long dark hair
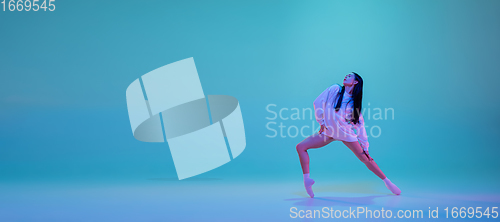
357, 97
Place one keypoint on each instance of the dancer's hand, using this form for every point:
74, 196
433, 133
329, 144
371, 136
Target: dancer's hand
368, 156
322, 129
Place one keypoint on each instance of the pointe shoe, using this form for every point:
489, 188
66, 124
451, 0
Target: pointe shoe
392, 187
308, 184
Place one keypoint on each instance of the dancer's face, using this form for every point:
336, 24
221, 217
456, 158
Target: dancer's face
350, 80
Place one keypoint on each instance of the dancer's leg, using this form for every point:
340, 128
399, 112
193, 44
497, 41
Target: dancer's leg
314, 141
358, 151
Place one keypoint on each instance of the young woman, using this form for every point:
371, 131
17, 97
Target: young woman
338, 111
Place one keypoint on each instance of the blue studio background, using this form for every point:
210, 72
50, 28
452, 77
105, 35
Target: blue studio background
63, 113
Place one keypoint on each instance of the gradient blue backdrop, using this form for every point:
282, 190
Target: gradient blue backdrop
63, 114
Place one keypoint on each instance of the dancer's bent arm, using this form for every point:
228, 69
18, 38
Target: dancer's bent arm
361, 133
320, 103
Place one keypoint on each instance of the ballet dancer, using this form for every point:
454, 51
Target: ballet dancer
338, 111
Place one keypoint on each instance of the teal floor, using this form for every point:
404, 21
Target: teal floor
218, 199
